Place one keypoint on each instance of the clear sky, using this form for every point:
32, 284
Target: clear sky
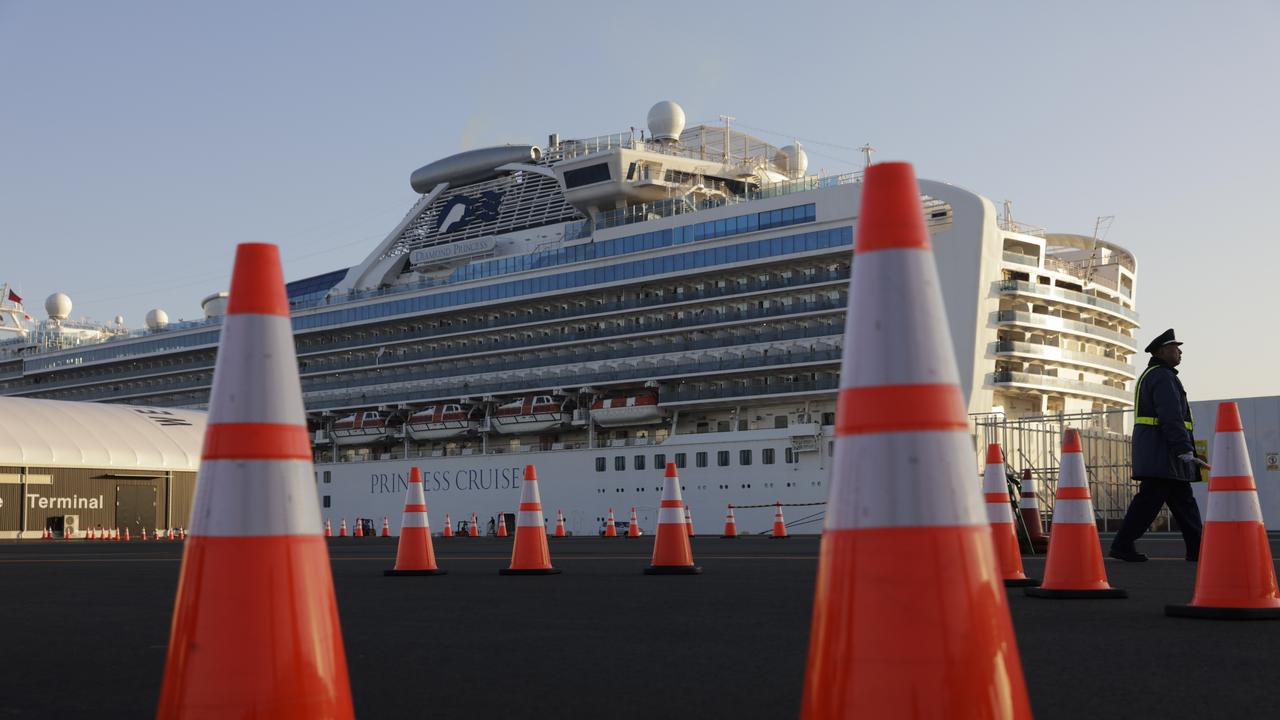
140, 141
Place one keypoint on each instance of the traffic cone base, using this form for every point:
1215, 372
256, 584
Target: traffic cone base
393, 573
531, 571
922, 627
230, 564
673, 570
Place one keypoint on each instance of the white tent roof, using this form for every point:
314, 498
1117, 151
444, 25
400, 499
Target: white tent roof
54, 433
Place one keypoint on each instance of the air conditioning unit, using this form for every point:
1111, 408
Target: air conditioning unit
70, 525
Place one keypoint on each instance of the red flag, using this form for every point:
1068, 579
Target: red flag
13, 296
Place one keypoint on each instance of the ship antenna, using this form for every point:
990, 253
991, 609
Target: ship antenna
727, 119
866, 154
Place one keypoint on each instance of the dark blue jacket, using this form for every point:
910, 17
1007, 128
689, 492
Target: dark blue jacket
1156, 447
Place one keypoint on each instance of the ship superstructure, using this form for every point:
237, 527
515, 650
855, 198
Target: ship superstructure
602, 306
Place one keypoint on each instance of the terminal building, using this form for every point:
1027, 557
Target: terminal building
71, 467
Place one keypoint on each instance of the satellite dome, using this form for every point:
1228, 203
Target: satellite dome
157, 319
792, 160
119, 320
666, 121
215, 305
58, 305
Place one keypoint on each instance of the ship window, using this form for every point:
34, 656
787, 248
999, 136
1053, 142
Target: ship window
639, 462
766, 456
619, 462
790, 456
701, 459
722, 458
600, 464
586, 176
681, 459
722, 426
780, 421
326, 501
328, 476
744, 457
660, 461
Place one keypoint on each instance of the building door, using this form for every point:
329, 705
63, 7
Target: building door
135, 508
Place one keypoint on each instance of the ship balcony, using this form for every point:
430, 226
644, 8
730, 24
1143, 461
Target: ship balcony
1008, 348
1044, 384
1070, 298
1040, 321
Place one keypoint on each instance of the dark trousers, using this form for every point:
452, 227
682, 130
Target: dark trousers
1152, 493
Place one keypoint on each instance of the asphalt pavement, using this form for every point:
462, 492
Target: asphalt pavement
86, 625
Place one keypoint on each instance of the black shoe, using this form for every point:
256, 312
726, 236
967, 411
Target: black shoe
1127, 555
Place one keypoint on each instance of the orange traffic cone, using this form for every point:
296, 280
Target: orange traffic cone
779, 525
502, 525
357, 529
1073, 567
342, 528
671, 552
386, 527
530, 554
328, 529
415, 554
909, 616
610, 529
277, 650
144, 533
448, 526
995, 489
126, 535
559, 524
730, 526
1029, 509
474, 530
633, 527
688, 520
1236, 579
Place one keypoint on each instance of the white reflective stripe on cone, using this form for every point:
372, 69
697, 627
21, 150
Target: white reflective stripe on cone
670, 516
899, 480
1071, 471
999, 514
1234, 506
529, 492
255, 379
1029, 503
415, 520
529, 518
1230, 457
993, 480
671, 489
414, 495
899, 317
1073, 512
255, 497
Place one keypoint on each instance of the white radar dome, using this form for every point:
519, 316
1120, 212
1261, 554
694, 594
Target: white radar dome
792, 159
58, 305
666, 121
119, 320
215, 305
157, 319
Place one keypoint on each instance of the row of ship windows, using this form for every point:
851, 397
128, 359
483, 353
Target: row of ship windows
709, 230
709, 257
694, 259
768, 456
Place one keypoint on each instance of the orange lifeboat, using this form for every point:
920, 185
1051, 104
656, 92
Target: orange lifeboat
634, 408
533, 414
446, 420
360, 428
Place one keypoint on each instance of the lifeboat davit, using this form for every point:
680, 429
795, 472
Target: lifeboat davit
638, 408
360, 428
436, 422
532, 414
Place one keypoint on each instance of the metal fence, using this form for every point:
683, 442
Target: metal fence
1035, 444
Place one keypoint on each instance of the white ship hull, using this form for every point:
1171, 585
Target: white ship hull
488, 484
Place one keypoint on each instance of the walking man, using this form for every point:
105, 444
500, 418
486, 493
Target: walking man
1164, 458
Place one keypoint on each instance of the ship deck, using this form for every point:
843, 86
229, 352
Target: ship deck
603, 640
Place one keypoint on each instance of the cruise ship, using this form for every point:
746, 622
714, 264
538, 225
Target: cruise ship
600, 307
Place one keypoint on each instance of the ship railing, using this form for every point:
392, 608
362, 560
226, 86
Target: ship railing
576, 377
1042, 290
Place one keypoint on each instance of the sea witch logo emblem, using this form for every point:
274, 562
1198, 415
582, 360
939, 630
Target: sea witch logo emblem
463, 210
